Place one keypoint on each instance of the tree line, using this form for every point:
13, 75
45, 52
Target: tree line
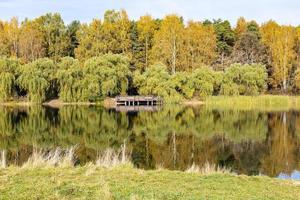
44, 57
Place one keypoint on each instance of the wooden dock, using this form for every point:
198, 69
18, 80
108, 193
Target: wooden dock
137, 108
138, 101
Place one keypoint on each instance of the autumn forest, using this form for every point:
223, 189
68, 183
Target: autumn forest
45, 58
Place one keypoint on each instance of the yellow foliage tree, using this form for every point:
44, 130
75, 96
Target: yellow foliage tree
200, 44
241, 27
110, 36
9, 38
146, 27
31, 41
280, 41
168, 41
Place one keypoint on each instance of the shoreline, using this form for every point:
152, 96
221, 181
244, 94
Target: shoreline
260, 101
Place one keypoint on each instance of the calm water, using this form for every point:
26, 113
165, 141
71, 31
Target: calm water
249, 142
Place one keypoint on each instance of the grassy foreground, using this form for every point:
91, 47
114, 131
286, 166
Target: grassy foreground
125, 182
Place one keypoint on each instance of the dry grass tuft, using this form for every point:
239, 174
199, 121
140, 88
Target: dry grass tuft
57, 157
111, 158
2, 159
208, 169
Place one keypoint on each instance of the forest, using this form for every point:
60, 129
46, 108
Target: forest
45, 58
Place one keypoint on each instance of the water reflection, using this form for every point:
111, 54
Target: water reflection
249, 142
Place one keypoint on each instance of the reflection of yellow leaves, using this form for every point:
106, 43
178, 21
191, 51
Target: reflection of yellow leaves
281, 156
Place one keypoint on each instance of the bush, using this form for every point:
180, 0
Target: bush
202, 82
244, 80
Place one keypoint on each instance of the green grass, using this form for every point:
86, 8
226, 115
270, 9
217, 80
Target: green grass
125, 182
263, 102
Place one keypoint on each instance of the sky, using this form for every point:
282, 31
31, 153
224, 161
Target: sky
283, 11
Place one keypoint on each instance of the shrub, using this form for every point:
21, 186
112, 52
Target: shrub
202, 82
244, 80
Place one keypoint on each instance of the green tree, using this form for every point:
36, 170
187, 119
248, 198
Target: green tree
110, 71
156, 81
36, 78
72, 29
56, 40
69, 76
225, 39
8, 75
244, 80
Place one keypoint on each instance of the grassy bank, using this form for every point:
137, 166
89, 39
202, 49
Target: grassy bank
125, 182
263, 102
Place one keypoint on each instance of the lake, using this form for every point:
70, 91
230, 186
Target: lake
248, 142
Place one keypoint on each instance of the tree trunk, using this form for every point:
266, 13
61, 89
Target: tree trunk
174, 150
174, 57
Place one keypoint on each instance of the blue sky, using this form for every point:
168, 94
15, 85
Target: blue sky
283, 11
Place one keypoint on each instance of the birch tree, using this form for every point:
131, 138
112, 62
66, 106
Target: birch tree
280, 41
168, 41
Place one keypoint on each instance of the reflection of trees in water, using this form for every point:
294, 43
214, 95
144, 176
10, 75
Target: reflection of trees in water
249, 142
283, 152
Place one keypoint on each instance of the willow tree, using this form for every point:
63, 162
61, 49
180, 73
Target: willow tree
108, 75
280, 41
69, 76
167, 42
156, 80
8, 72
244, 80
36, 78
